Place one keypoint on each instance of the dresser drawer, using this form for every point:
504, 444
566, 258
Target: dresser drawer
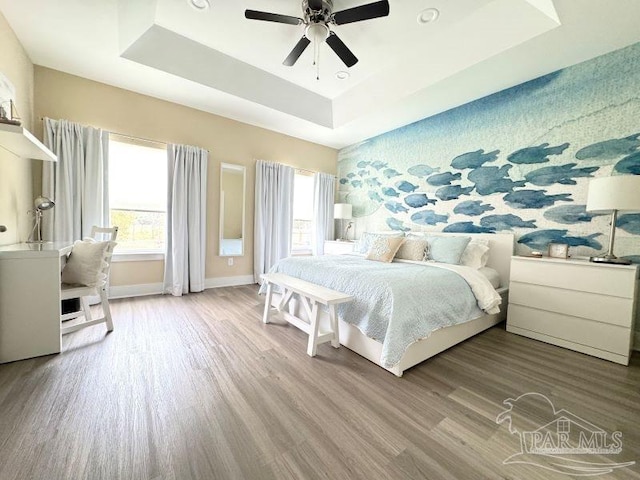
601, 308
617, 282
602, 336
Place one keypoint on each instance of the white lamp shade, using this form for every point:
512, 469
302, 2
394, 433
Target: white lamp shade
621, 192
343, 211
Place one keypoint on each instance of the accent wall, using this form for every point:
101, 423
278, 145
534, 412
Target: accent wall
516, 161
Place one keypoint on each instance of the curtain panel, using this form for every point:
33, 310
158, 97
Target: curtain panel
184, 266
324, 187
273, 221
78, 182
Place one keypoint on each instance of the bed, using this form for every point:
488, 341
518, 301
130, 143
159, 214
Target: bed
453, 323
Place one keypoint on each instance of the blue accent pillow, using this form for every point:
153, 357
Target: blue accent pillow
447, 249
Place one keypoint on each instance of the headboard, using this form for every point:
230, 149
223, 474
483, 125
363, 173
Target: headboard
501, 248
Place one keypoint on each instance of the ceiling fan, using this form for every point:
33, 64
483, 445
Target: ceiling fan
318, 15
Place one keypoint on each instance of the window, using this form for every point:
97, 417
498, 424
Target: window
138, 194
564, 425
302, 214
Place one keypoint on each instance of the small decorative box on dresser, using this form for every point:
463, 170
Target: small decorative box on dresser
575, 304
335, 247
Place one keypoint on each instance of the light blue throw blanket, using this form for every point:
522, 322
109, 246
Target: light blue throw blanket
395, 304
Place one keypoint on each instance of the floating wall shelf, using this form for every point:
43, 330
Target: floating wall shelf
21, 142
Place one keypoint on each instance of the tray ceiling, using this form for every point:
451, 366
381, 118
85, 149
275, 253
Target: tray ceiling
218, 61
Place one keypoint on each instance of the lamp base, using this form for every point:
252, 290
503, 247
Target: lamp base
610, 259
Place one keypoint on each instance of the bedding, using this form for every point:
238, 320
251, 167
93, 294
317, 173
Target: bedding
492, 275
398, 303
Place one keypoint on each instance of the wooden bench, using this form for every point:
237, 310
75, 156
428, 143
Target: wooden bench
311, 296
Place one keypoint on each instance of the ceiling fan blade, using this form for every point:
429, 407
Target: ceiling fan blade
300, 47
338, 46
315, 5
363, 12
272, 17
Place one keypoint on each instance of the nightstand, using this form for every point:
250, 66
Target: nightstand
334, 247
575, 304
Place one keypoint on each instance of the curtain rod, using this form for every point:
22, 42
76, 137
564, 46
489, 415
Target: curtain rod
311, 171
149, 140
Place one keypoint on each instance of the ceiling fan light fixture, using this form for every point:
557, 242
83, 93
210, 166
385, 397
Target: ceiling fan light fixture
342, 75
200, 5
429, 15
317, 32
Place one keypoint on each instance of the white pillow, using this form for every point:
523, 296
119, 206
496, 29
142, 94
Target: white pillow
366, 240
85, 264
476, 254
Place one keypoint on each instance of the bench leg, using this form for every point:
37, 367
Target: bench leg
312, 346
267, 304
335, 326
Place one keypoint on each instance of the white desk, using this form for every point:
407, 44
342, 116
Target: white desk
30, 299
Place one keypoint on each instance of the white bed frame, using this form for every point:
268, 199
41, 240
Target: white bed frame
501, 250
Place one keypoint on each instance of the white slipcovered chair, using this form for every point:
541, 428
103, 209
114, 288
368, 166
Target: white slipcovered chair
96, 287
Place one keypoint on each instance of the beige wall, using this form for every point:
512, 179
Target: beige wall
15, 173
59, 95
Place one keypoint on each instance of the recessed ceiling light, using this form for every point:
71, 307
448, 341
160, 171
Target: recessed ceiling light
342, 75
200, 4
428, 16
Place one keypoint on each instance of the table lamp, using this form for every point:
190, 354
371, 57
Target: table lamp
613, 194
343, 211
40, 205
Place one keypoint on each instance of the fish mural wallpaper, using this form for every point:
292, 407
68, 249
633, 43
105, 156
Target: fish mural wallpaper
517, 161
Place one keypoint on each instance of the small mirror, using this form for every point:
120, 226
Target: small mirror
232, 185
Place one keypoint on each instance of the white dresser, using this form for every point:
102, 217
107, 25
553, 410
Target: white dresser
335, 247
575, 304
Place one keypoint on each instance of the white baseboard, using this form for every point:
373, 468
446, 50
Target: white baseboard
229, 281
126, 291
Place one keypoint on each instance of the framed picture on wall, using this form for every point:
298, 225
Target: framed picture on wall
559, 250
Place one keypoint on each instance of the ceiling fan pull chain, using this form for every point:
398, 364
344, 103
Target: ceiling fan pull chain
317, 60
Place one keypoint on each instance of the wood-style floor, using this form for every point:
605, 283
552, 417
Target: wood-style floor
198, 387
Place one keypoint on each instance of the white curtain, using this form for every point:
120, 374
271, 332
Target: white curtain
77, 182
184, 266
273, 222
324, 187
